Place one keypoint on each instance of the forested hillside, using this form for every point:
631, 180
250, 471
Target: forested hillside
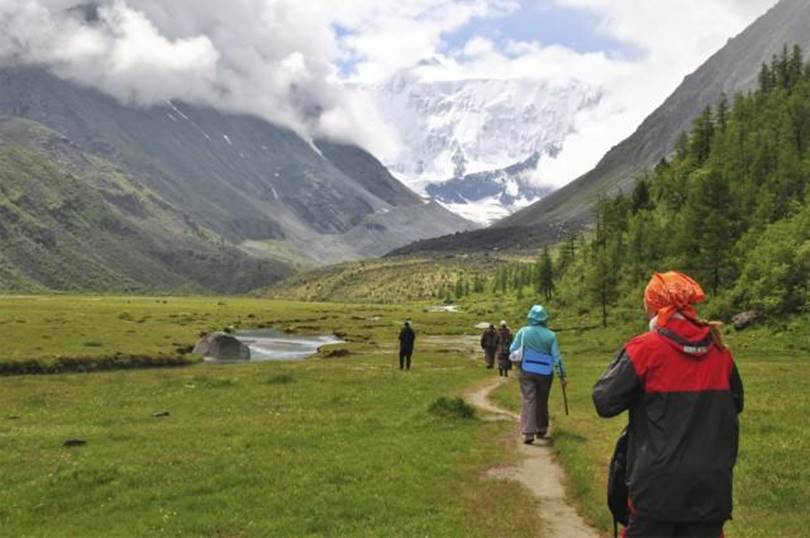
730, 205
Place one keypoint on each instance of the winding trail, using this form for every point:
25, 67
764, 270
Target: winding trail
540, 473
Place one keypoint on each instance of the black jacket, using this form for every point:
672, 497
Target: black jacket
683, 393
489, 340
406, 338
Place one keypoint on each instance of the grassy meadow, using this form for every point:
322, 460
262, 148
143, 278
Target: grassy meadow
323, 447
333, 447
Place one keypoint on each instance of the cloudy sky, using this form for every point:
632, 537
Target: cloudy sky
288, 60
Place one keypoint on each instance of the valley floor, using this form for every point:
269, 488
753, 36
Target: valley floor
340, 447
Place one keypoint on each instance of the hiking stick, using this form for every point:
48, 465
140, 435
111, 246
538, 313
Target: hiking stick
565, 397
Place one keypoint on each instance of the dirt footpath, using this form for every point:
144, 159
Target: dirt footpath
540, 473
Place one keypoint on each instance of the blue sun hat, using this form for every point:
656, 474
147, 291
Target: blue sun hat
538, 315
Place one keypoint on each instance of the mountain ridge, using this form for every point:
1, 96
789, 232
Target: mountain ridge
258, 188
732, 69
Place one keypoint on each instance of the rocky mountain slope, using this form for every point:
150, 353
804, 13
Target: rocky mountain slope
257, 189
73, 221
486, 197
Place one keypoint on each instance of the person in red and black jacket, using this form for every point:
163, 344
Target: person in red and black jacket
683, 392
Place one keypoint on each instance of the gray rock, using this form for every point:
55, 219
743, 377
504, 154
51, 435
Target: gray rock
222, 346
74, 442
745, 319
160, 414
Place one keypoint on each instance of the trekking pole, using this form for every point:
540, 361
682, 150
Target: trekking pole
565, 397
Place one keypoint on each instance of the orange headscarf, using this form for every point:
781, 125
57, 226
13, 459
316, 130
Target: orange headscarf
672, 292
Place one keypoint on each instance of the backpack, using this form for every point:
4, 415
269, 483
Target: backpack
535, 362
617, 492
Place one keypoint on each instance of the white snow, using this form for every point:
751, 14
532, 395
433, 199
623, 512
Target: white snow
275, 193
177, 110
227, 139
454, 128
487, 210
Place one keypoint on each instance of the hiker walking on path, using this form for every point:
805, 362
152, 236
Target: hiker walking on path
539, 353
489, 343
407, 337
504, 342
684, 393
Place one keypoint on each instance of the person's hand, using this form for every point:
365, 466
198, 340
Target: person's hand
564, 381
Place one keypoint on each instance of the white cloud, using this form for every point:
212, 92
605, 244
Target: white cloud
675, 37
280, 59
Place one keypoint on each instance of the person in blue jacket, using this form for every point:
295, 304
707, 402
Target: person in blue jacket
540, 357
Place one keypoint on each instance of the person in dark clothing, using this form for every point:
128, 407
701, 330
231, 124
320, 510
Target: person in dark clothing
407, 337
504, 341
683, 392
489, 343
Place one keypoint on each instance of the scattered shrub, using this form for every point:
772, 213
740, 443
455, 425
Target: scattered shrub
280, 379
452, 408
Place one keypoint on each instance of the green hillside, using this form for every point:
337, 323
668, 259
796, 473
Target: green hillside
730, 207
73, 221
394, 280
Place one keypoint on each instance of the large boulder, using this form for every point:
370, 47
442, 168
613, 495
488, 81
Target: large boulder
745, 319
223, 347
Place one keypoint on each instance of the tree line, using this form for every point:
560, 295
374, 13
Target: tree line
728, 206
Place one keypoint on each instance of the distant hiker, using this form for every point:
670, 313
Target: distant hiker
504, 341
406, 339
539, 353
489, 343
684, 393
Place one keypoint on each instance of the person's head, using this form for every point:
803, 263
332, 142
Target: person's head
671, 292
491, 325
504, 325
538, 315
407, 323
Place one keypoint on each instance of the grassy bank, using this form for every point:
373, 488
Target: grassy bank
772, 479
325, 447
48, 334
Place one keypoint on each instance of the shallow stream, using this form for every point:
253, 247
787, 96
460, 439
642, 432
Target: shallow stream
273, 345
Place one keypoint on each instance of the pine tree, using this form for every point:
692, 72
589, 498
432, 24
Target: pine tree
545, 275
700, 140
602, 280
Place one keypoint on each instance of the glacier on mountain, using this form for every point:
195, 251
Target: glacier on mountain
466, 142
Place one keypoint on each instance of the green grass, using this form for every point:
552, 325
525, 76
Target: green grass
342, 446
772, 476
325, 447
76, 331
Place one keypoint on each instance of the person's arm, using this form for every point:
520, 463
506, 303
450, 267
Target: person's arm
737, 388
617, 388
483, 340
517, 342
557, 356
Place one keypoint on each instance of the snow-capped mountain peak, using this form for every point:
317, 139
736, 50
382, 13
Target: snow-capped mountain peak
478, 141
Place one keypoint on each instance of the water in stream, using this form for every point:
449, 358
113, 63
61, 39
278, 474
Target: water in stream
273, 345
